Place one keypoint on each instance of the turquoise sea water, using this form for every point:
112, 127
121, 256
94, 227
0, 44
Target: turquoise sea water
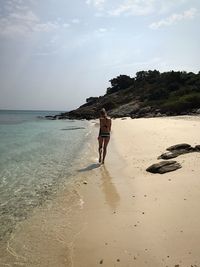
36, 160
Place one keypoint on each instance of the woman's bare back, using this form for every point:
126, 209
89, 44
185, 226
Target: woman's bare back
105, 124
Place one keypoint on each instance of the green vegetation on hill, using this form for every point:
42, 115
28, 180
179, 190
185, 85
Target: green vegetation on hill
173, 91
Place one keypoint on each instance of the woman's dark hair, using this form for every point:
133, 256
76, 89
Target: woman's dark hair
103, 112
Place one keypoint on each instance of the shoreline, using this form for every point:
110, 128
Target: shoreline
65, 116
118, 214
38, 160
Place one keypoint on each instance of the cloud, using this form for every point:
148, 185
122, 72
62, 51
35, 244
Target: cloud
24, 24
16, 5
66, 25
102, 30
18, 19
96, 3
75, 21
174, 18
29, 17
163, 6
113, 8
133, 7
46, 27
99, 33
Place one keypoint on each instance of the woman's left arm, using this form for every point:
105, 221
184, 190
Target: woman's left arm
99, 128
110, 124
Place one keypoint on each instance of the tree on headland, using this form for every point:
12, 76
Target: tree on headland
121, 82
147, 76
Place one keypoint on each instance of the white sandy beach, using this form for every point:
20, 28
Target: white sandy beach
118, 214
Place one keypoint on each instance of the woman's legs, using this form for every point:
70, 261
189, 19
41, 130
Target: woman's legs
100, 139
105, 144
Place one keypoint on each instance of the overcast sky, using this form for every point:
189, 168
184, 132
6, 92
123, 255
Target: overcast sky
56, 53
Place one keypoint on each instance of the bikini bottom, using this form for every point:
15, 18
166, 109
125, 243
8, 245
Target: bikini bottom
104, 134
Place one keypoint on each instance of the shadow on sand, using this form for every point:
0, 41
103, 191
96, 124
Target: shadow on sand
108, 187
90, 167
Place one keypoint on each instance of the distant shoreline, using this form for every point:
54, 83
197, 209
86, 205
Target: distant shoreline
68, 115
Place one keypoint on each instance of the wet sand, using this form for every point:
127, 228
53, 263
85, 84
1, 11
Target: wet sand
118, 214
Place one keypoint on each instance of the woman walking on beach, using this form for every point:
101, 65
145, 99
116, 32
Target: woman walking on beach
104, 134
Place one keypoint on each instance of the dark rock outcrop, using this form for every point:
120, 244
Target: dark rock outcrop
179, 146
164, 166
179, 149
174, 151
197, 148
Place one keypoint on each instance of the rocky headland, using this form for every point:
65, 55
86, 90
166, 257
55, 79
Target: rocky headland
149, 94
